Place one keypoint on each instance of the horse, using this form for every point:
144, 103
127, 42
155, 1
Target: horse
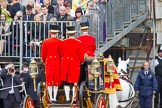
124, 98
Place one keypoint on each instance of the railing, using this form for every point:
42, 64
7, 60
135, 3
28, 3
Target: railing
23, 38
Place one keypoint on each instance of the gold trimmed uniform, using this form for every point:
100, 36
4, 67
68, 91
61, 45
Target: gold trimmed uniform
50, 54
72, 56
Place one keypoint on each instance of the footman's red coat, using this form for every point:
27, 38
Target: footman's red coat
51, 58
72, 57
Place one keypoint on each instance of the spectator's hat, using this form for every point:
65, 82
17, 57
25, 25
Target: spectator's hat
160, 48
71, 30
54, 28
84, 25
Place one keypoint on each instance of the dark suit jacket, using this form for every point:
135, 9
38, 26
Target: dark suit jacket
49, 16
30, 85
30, 18
7, 82
28, 25
37, 31
13, 9
47, 25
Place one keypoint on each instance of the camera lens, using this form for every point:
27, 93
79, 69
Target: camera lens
18, 18
11, 70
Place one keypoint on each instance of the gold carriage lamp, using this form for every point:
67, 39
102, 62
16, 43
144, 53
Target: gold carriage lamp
110, 69
95, 64
33, 67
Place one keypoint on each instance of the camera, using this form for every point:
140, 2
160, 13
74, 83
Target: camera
18, 18
11, 70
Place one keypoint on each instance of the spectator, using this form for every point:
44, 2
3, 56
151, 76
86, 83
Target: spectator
39, 1
46, 17
78, 14
37, 8
157, 64
52, 59
145, 86
72, 56
63, 16
53, 21
5, 31
31, 3
89, 7
29, 16
22, 7
57, 7
14, 26
15, 37
79, 4
37, 28
47, 3
99, 12
11, 97
96, 4
5, 25
28, 25
69, 11
4, 10
36, 36
13, 7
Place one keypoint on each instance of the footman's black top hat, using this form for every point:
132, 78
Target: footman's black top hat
71, 30
84, 25
54, 28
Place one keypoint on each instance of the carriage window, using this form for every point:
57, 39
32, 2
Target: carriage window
95, 76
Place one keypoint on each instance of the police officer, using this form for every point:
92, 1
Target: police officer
72, 56
89, 47
145, 86
157, 63
50, 54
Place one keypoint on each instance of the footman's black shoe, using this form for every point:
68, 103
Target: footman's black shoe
55, 102
74, 102
68, 101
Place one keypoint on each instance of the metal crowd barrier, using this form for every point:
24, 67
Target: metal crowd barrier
22, 38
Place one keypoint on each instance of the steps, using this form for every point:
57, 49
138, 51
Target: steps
141, 59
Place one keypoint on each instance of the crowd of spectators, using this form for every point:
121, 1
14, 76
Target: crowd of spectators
37, 16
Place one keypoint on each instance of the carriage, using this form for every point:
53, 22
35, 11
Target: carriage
96, 91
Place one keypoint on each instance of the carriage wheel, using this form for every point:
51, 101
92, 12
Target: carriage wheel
28, 102
81, 95
107, 100
100, 103
39, 94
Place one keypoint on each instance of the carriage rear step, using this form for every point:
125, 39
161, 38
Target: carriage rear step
63, 105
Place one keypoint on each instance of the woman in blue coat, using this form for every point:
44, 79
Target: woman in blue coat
145, 86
